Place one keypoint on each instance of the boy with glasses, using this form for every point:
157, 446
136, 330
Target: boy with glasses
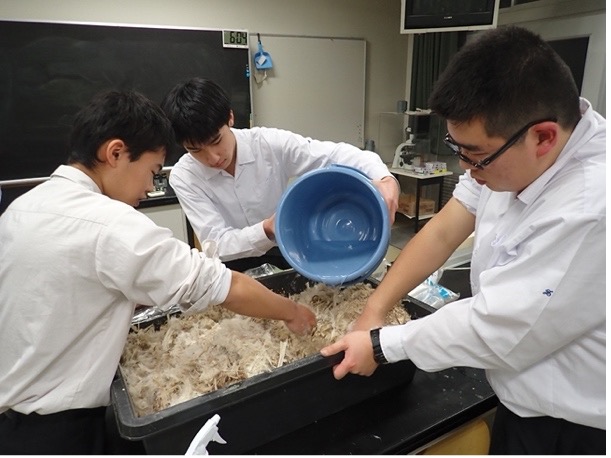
533, 193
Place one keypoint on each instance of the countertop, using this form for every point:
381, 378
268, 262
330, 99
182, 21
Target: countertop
418, 176
168, 198
398, 421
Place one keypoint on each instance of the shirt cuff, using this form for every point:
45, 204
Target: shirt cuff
219, 284
392, 340
259, 240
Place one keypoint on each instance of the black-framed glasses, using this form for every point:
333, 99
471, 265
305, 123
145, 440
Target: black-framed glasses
456, 148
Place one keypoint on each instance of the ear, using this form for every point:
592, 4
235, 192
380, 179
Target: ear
231, 119
111, 151
547, 137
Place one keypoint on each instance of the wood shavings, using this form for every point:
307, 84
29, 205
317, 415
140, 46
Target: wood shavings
192, 355
282, 353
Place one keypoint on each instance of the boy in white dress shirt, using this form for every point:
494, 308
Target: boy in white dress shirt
230, 181
534, 193
77, 258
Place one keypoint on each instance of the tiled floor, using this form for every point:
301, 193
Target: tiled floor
392, 253
402, 232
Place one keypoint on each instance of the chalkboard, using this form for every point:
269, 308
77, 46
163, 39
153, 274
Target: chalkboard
48, 71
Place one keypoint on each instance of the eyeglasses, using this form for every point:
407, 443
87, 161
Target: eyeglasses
456, 148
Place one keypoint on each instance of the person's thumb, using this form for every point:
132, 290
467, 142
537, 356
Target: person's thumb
333, 348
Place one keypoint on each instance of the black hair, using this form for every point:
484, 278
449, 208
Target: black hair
197, 108
128, 116
507, 77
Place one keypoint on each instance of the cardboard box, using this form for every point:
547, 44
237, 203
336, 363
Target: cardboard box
407, 205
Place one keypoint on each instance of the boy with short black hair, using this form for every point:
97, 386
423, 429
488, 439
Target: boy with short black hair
77, 258
230, 181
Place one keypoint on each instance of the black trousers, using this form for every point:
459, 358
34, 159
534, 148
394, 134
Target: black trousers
514, 435
273, 257
71, 432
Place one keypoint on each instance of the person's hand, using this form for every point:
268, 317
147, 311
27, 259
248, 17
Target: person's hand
269, 227
389, 188
303, 320
358, 356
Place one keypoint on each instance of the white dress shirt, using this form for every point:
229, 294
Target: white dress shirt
73, 265
230, 210
536, 321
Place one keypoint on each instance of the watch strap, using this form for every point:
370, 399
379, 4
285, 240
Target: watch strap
378, 354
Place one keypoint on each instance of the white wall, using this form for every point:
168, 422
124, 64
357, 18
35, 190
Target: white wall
560, 19
375, 21
335, 109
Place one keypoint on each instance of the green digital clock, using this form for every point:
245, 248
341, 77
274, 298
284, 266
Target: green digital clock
235, 39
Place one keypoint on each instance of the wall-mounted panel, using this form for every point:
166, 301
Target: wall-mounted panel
50, 70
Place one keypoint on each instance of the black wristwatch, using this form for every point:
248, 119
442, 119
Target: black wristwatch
378, 354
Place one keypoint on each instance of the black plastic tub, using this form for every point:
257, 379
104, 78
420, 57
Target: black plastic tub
260, 408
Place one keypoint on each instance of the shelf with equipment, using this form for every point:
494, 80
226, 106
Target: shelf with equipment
422, 180
406, 132
409, 143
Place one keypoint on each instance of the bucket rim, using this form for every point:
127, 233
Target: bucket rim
360, 272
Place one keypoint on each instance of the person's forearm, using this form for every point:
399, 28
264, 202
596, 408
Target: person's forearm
249, 297
426, 252
242, 243
268, 227
389, 189
413, 265
391, 178
208, 224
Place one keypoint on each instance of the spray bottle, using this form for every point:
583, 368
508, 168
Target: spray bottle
208, 432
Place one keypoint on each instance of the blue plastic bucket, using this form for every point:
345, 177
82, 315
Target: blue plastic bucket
332, 226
